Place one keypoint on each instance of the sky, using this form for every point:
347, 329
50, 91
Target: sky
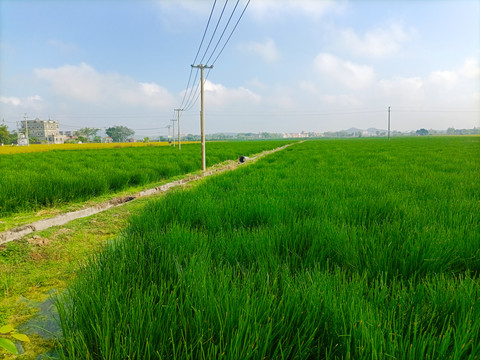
288, 66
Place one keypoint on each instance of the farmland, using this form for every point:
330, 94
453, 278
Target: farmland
336, 249
86, 146
33, 181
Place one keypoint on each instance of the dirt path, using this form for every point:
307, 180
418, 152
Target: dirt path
19, 232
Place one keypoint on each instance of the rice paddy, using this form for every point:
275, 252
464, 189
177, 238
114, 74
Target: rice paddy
34, 181
338, 249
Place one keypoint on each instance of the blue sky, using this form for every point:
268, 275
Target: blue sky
291, 65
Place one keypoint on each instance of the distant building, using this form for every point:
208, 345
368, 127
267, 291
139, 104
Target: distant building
22, 140
66, 132
43, 130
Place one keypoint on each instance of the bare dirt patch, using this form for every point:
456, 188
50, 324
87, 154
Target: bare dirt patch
39, 241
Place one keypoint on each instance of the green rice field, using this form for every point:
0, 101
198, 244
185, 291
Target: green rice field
38, 180
329, 249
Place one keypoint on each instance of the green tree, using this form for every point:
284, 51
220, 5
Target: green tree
87, 133
422, 132
119, 133
4, 134
13, 137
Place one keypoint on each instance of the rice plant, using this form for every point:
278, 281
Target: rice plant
343, 249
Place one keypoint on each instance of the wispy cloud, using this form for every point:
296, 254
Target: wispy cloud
16, 101
10, 100
66, 48
277, 9
223, 97
267, 50
193, 6
347, 73
470, 68
83, 83
378, 42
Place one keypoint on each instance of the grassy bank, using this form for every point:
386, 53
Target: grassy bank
356, 249
43, 263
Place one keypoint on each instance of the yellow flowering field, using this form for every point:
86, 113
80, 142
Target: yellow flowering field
7, 149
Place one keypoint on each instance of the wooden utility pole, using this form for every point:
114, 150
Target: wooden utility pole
178, 125
389, 123
173, 132
26, 129
202, 126
168, 126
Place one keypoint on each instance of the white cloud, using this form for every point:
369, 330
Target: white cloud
10, 100
16, 101
310, 87
194, 6
283, 98
276, 9
267, 50
83, 83
377, 42
403, 89
445, 78
257, 84
351, 75
448, 79
470, 68
341, 100
222, 97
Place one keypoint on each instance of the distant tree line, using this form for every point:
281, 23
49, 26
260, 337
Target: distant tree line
7, 137
117, 133
122, 133
453, 131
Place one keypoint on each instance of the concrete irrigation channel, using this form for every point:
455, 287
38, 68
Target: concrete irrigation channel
62, 219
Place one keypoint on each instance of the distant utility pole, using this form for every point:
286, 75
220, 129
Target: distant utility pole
389, 123
178, 126
168, 126
173, 132
26, 129
202, 126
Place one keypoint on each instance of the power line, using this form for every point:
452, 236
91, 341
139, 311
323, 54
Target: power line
214, 31
206, 28
228, 39
195, 59
193, 94
223, 32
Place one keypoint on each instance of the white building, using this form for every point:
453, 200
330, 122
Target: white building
43, 130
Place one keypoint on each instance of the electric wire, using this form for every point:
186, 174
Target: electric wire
215, 30
228, 39
192, 97
196, 93
198, 51
223, 32
215, 48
